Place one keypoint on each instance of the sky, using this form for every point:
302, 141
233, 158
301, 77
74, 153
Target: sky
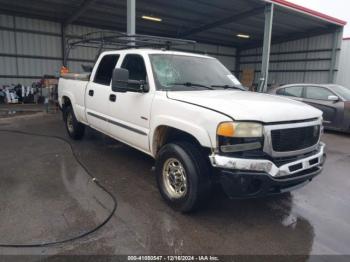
336, 8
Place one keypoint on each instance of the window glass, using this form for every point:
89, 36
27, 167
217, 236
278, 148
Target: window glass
295, 91
105, 69
342, 91
172, 70
317, 93
136, 66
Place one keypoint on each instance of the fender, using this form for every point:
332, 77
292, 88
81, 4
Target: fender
197, 131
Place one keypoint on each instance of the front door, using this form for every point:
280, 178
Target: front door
130, 112
318, 97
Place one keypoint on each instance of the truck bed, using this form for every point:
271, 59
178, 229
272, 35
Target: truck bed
77, 76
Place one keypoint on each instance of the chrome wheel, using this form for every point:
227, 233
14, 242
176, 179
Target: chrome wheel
174, 178
70, 125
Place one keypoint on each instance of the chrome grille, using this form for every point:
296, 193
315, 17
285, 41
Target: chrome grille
294, 139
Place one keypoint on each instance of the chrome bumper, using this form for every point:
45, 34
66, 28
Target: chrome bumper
261, 165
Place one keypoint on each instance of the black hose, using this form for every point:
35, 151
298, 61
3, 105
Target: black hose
36, 245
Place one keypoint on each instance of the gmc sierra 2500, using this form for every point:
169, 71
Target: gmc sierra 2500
195, 119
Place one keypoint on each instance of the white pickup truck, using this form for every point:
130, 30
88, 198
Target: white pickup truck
195, 119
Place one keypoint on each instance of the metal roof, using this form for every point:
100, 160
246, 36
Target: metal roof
206, 21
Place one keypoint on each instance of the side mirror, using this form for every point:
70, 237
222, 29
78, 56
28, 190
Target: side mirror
138, 86
121, 82
333, 98
120, 79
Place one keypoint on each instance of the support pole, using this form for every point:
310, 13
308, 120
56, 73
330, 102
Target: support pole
238, 63
131, 17
63, 45
335, 44
266, 48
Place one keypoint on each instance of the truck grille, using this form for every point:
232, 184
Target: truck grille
293, 139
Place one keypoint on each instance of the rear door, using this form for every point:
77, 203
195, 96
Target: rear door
318, 97
98, 91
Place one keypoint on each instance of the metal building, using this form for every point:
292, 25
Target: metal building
343, 75
304, 44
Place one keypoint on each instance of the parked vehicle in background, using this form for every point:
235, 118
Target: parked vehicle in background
332, 100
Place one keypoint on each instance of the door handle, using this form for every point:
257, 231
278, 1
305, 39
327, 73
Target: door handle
91, 92
112, 98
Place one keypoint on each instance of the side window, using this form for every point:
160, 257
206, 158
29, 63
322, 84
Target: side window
295, 91
136, 66
105, 69
317, 93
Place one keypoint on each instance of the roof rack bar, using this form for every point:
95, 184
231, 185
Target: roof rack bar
117, 40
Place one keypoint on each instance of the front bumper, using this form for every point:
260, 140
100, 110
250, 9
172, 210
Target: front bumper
258, 177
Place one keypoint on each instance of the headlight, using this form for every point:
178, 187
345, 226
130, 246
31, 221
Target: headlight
240, 129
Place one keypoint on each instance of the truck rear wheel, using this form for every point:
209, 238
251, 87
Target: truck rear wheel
75, 129
183, 176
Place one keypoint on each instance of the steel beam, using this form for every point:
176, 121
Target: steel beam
292, 37
15, 43
266, 48
79, 11
238, 63
131, 17
289, 60
297, 70
291, 52
63, 45
221, 22
335, 44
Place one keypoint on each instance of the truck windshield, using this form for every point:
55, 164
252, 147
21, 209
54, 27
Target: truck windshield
181, 72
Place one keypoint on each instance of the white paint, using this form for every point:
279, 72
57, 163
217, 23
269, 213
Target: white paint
195, 112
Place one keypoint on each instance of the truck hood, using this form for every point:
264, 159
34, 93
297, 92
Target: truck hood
245, 105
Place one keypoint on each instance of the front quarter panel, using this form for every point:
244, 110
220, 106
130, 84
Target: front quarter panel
197, 121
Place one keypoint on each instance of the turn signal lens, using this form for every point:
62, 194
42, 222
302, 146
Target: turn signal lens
226, 129
240, 129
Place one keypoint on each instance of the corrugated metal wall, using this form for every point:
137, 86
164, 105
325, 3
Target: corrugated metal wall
343, 76
305, 60
225, 54
31, 48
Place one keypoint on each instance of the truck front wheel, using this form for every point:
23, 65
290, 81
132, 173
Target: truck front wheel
74, 128
182, 173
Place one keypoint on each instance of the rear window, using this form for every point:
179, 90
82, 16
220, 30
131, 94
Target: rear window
105, 69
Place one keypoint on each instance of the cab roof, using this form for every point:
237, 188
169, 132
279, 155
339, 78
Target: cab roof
148, 51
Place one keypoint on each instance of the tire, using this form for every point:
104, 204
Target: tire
75, 129
196, 169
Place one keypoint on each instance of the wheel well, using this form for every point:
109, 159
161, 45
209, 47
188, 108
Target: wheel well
66, 102
166, 134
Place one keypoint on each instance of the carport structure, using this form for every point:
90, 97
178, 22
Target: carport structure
275, 37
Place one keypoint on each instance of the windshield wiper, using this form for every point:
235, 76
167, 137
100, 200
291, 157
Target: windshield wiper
229, 87
189, 84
